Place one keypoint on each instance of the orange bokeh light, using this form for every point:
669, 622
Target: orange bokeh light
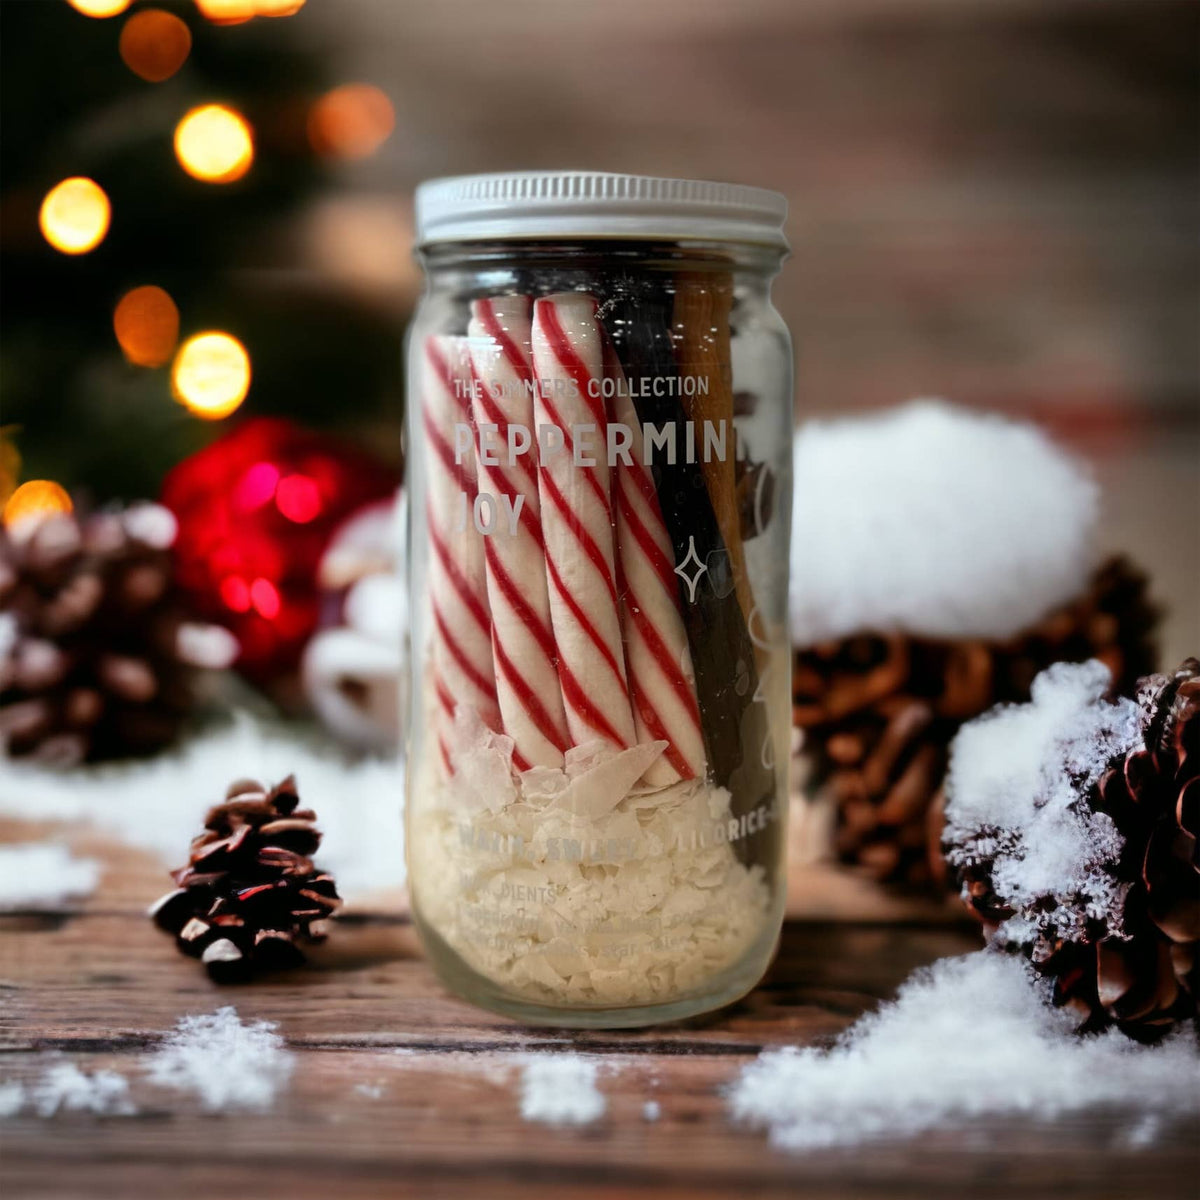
100, 8
214, 143
146, 323
351, 121
211, 375
155, 44
226, 12
277, 8
74, 216
234, 12
37, 498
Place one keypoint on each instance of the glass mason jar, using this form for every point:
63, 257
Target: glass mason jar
599, 455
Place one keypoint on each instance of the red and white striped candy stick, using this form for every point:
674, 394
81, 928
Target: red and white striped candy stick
523, 647
573, 482
662, 682
461, 633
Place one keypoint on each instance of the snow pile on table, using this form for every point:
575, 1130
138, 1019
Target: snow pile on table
560, 1089
226, 1063
159, 804
43, 875
967, 1039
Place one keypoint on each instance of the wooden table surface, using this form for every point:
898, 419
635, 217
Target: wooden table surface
402, 1090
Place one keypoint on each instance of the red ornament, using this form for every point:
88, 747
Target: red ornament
256, 510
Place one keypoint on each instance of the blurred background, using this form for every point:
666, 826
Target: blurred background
992, 201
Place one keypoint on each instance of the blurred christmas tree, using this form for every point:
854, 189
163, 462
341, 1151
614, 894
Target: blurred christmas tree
196, 131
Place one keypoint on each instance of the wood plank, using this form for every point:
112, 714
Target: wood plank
70, 979
455, 1117
440, 1116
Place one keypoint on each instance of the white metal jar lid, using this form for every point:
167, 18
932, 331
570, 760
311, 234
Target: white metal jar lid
539, 205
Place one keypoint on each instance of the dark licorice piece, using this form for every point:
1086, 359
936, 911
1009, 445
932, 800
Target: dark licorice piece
737, 732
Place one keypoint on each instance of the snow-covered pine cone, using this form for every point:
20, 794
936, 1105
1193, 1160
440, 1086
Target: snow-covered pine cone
1133, 962
98, 655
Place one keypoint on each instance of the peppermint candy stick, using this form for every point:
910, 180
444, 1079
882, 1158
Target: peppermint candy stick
526, 658
662, 681
461, 635
573, 482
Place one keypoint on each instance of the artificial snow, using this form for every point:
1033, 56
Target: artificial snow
227, 1064
1144, 1133
12, 1099
43, 875
1016, 797
560, 1089
65, 1088
159, 804
966, 1040
932, 520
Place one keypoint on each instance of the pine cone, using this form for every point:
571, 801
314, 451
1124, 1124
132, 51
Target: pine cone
1114, 621
97, 656
879, 712
1147, 978
250, 893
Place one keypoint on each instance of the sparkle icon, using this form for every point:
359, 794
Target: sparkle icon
692, 577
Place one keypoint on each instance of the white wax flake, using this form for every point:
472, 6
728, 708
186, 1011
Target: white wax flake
65, 1088
369, 1091
929, 519
482, 763
12, 1099
556, 885
651, 1110
601, 778
228, 1064
358, 803
560, 1089
1016, 795
43, 874
966, 1041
